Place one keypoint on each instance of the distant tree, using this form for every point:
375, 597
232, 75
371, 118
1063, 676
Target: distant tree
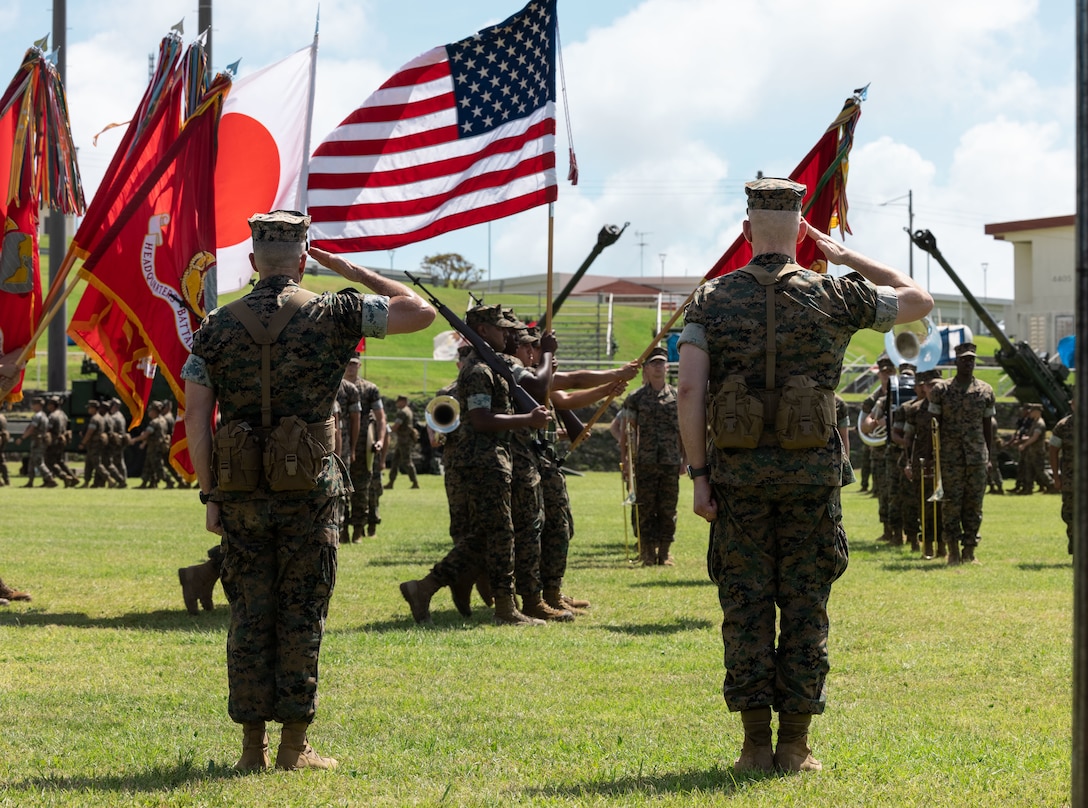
451, 269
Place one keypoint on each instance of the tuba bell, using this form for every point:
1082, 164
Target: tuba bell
443, 414
918, 343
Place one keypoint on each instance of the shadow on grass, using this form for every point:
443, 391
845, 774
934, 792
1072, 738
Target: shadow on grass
154, 779
1039, 566
160, 620
686, 582
645, 629
915, 565
443, 621
711, 781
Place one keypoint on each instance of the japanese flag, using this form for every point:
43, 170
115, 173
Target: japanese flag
263, 144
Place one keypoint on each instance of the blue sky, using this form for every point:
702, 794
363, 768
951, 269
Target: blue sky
674, 104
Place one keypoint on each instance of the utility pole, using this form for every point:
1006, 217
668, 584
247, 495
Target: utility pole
641, 244
204, 23
909, 196
56, 228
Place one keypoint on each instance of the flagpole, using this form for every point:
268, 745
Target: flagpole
824, 179
302, 195
551, 252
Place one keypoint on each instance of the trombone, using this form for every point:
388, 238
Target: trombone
938, 487
627, 480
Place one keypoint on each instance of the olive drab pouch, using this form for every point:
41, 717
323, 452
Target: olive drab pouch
293, 457
805, 416
237, 456
735, 415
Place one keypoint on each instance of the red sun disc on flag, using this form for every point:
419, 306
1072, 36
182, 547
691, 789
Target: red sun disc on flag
247, 176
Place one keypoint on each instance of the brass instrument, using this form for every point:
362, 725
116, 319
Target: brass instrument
443, 415
938, 488
918, 343
628, 480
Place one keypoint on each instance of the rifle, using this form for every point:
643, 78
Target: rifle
523, 402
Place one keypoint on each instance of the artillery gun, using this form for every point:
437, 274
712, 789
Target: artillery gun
1034, 380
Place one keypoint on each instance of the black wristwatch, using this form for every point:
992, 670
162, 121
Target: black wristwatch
204, 498
693, 473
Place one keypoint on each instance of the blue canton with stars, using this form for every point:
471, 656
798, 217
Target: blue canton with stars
505, 72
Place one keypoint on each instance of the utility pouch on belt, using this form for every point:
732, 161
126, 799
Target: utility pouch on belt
736, 416
237, 456
805, 416
293, 457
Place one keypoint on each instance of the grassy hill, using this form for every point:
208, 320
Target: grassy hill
403, 364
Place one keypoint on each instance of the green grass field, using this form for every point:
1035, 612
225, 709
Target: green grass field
949, 686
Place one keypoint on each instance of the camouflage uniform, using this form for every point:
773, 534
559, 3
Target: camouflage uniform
778, 538
876, 455
58, 445
918, 432
558, 527
964, 454
1061, 437
117, 429
279, 550
905, 422
93, 467
36, 462
479, 468
1033, 458
169, 472
404, 427
657, 463
154, 445
5, 436
370, 401
348, 400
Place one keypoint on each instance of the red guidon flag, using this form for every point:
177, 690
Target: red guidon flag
823, 172
20, 279
461, 135
37, 168
145, 294
263, 143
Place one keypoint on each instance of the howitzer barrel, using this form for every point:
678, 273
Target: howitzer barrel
608, 236
928, 242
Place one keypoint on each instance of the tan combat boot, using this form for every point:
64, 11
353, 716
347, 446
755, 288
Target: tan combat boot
664, 557
295, 751
954, 559
507, 614
197, 584
757, 754
7, 593
254, 748
555, 598
793, 753
419, 594
536, 606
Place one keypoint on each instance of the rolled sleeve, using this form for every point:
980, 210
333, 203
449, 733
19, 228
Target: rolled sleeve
694, 334
887, 308
479, 401
195, 370
375, 316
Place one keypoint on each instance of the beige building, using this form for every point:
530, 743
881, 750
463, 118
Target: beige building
1043, 289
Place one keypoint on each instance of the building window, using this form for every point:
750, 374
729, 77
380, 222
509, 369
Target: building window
1037, 332
1064, 325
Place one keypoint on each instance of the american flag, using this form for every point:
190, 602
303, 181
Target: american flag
461, 135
